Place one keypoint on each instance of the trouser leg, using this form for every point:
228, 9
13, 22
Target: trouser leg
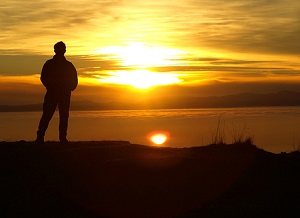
64, 106
49, 107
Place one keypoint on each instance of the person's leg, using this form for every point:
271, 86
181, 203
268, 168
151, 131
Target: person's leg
49, 106
64, 106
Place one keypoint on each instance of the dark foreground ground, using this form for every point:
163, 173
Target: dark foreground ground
119, 179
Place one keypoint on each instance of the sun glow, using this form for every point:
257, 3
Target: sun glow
140, 55
158, 138
141, 79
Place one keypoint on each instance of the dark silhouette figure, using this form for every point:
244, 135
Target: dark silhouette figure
59, 76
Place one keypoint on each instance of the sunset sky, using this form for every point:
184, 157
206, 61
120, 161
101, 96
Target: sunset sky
123, 49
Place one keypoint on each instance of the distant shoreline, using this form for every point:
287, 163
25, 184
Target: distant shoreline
280, 99
140, 109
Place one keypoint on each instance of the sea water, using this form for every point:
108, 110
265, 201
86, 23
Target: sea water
275, 129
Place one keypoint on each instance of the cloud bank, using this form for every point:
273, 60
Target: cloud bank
245, 26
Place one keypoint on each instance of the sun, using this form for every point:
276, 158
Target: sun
158, 137
141, 79
141, 55
137, 59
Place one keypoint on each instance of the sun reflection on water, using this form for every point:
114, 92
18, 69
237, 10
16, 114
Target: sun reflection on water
158, 137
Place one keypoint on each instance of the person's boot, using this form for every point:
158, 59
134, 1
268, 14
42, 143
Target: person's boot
39, 139
63, 139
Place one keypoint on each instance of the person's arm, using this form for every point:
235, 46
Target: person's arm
45, 76
74, 78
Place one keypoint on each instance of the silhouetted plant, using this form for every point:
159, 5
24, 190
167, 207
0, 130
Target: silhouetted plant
218, 136
296, 143
249, 140
238, 133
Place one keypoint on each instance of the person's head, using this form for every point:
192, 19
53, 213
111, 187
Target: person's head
60, 48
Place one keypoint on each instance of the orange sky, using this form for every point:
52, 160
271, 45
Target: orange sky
121, 48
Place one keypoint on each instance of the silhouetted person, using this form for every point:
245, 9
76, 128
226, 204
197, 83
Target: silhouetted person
59, 76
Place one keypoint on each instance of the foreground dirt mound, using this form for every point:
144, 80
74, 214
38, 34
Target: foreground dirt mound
119, 179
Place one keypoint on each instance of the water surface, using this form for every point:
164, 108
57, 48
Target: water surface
276, 129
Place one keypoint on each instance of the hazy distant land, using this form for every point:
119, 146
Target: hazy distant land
119, 179
238, 100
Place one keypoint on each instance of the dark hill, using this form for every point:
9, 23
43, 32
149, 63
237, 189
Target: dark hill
177, 102
119, 179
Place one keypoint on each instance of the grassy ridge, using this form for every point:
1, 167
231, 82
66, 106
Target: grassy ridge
119, 179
